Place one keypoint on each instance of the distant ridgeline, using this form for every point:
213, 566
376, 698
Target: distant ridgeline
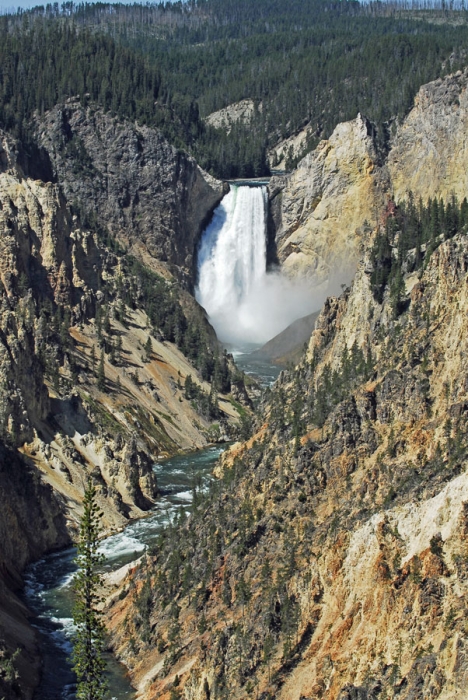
306, 62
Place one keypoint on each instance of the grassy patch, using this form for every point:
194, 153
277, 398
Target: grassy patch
102, 416
239, 408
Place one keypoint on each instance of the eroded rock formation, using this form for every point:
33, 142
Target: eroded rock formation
323, 211
150, 196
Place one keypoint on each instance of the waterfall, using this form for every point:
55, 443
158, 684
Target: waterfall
245, 304
232, 261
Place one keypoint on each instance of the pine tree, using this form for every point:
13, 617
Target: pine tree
93, 359
118, 349
101, 377
148, 350
88, 644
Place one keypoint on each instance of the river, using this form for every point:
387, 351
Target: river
48, 582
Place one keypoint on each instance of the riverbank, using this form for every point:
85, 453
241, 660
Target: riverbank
48, 582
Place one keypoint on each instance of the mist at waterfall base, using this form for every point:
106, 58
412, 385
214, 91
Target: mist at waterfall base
246, 304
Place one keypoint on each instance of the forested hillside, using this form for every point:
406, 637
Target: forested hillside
170, 65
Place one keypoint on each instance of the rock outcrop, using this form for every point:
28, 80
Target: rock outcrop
323, 211
290, 149
430, 149
242, 111
147, 194
320, 211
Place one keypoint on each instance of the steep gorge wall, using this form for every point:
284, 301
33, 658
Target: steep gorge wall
58, 271
323, 212
153, 198
32, 523
332, 560
430, 150
319, 212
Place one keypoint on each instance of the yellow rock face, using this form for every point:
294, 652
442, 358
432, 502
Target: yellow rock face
326, 202
430, 153
323, 211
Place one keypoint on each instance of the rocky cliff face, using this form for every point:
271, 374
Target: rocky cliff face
91, 376
31, 523
47, 261
321, 212
242, 111
150, 196
69, 303
430, 149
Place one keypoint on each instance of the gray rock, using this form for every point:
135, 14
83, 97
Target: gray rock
152, 197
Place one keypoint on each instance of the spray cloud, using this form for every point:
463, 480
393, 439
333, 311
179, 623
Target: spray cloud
245, 304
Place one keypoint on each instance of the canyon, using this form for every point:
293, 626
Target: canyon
329, 560
64, 314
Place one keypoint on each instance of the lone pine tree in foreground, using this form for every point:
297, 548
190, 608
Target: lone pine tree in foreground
88, 644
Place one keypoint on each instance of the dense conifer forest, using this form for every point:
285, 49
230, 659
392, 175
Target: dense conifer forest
169, 65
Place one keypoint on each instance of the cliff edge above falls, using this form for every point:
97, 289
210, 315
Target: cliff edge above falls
150, 196
322, 213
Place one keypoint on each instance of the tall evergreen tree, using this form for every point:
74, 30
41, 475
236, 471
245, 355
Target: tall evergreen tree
88, 645
101, 376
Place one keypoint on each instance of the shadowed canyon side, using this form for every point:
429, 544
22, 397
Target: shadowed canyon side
329, 559
150, 196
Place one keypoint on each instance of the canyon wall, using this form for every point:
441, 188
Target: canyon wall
332, 560
91, 369
152, 197
430, 150
324, 211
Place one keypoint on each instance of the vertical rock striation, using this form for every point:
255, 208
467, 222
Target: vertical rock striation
150, 196
320, 210
323, 212
430, 149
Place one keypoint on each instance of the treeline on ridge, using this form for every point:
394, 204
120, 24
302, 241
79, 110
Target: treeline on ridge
169, 66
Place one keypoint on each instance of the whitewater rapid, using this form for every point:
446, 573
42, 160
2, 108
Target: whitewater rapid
245, 304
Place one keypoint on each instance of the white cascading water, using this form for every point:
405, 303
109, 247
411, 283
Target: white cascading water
245, 304
232, 260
